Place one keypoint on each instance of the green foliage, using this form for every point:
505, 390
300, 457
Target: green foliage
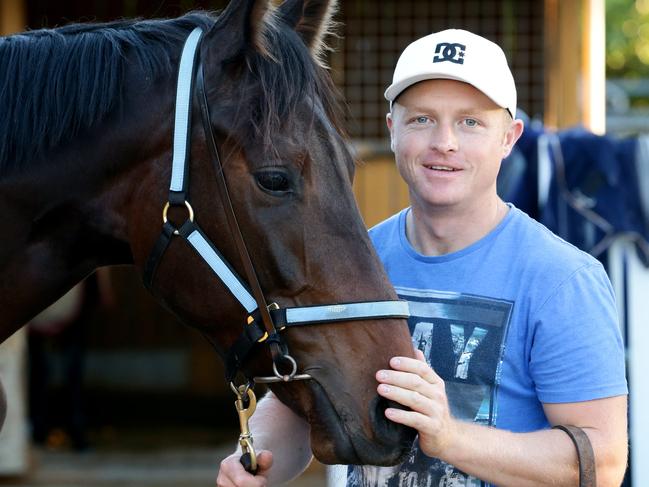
627, 38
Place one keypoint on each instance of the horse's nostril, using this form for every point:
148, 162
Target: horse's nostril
388, 431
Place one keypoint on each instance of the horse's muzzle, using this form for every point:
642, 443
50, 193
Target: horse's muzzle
338, 437
393, 435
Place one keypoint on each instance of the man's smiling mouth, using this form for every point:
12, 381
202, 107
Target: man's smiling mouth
440, 168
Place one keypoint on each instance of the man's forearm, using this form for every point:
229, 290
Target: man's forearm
503, 458
513, 459
276, 428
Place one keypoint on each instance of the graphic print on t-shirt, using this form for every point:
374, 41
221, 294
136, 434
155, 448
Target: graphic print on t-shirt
462, 337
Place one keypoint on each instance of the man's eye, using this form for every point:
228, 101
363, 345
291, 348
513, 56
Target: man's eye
422, 119
471, 122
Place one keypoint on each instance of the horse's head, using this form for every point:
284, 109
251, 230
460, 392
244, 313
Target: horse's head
289, 173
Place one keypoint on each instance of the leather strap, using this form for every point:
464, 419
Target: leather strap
585, 454
156, 254
233, 224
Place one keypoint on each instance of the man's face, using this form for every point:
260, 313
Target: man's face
449, 140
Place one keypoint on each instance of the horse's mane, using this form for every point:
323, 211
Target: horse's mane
59, 82
56, 82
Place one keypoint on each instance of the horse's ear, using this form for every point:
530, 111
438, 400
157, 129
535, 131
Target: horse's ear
312, 20
243, 24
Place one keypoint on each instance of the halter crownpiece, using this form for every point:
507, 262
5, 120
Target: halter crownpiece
264, 322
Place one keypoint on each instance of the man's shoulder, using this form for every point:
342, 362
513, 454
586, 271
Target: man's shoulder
541, 248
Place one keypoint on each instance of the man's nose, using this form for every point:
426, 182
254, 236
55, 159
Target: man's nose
443, 138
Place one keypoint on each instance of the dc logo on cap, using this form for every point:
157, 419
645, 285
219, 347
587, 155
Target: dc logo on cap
446, 51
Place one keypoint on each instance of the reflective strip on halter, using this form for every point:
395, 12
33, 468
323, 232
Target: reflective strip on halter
183, 99
222, 270
349, 311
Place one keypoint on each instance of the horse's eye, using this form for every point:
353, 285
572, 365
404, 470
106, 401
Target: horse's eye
273, 181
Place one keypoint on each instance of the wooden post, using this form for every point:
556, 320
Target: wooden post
12, 16
563, 63
574, 58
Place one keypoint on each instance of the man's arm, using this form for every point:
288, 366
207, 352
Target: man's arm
546, 457
282, 443
605, 423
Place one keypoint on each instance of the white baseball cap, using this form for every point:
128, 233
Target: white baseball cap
460, 55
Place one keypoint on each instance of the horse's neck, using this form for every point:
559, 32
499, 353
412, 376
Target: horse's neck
70, 213
60, 223
41, 257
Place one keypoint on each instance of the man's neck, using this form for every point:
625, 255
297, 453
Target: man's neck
445, 230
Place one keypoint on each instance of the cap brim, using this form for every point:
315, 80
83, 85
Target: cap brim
394, 90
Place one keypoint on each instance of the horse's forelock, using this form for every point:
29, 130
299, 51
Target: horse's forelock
280, 85
263, 21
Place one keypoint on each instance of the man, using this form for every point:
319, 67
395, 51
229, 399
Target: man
522, 325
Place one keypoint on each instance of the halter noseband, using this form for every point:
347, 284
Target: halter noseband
264, 322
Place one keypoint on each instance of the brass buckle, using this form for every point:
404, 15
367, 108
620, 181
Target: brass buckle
250, 320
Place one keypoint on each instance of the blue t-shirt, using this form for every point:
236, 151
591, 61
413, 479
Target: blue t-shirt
517, 319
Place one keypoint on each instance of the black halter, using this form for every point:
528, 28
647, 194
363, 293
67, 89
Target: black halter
264, 321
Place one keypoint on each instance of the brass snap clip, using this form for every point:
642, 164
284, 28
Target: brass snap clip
245, 394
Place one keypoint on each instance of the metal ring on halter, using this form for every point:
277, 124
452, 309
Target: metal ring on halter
283, 377
166, 209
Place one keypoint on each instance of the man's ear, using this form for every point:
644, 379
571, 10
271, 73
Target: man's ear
390, 123
512, 134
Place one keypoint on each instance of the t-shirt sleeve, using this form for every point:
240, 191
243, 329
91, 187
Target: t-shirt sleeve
577, 352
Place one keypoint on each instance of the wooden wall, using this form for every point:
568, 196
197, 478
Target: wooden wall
379, 189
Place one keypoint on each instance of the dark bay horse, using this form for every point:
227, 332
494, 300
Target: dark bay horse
86, 142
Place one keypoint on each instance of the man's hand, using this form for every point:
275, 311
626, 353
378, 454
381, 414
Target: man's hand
412, 383
232, 473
